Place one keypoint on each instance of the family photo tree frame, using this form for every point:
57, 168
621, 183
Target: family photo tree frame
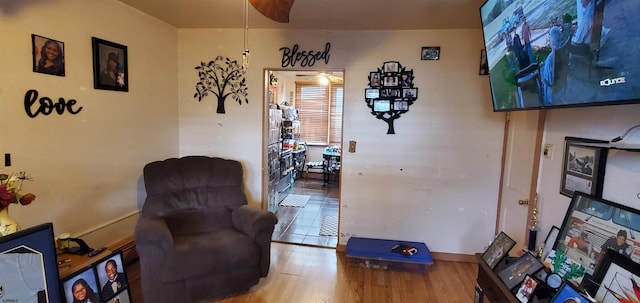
583, 166
110, 65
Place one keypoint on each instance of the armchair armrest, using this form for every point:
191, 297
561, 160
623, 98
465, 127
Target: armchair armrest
153, 232
252, 221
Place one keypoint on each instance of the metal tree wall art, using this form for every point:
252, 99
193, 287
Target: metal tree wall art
223, 78
391, 92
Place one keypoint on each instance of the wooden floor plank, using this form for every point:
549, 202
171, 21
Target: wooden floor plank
321, 275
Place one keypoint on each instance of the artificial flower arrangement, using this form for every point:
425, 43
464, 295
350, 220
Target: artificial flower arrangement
10, 187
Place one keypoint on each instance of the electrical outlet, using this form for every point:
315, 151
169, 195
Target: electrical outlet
352, 146
547, 152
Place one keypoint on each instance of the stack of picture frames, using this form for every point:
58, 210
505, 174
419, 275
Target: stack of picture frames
104, 281
518, 273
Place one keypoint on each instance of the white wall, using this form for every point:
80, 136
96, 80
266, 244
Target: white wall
86, 167
622, 174
434, 181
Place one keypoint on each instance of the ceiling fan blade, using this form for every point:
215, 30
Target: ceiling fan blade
276, 10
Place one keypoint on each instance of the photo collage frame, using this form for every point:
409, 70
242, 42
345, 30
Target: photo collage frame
105, 282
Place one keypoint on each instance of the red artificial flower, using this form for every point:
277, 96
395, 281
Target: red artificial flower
27, 199
5, 196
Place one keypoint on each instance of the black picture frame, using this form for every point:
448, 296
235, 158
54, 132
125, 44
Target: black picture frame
526, 289
514, 274
591, 224
430, 53
35, 245
112, 289
566, 291
583, 166
391, 67
484, 63
374, 79
106, 76
83, 279
479, 295
550, 241
614, 277
51, 66
498, 249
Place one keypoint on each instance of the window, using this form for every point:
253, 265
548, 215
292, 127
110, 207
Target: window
320, 113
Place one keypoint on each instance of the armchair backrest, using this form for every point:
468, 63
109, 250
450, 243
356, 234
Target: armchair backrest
192, 183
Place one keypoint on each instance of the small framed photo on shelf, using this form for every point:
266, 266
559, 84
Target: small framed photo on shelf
82, 286
526, 289
498, 249
48, 55
582, 167
568, 293
515, 273
110, 66
430, 53
479, 295
111, 276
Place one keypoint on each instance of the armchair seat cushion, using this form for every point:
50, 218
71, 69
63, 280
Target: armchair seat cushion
197, 255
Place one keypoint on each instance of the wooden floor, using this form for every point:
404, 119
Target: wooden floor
321, 275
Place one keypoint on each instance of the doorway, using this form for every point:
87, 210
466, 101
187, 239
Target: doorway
303, 135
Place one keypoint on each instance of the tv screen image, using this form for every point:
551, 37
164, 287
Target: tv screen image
561, 53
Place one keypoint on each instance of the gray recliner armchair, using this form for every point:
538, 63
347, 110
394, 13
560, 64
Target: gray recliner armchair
196, 237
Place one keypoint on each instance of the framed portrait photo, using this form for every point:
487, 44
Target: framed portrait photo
526, 289
430, 53
110, 65
391, 66
515, 273
374, 79
81, 286
498, 249
48, 55
582, 167
112, 277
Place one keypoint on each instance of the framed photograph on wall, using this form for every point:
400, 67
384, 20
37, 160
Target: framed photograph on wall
617, 275
583, 166
515, 273
484, 64
498, 249
48, 55
374, 79
391, 66
430, 53
110, 66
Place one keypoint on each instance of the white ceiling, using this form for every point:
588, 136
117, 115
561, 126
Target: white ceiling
320, 14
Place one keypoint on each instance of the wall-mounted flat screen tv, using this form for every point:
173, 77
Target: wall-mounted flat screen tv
562, 53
